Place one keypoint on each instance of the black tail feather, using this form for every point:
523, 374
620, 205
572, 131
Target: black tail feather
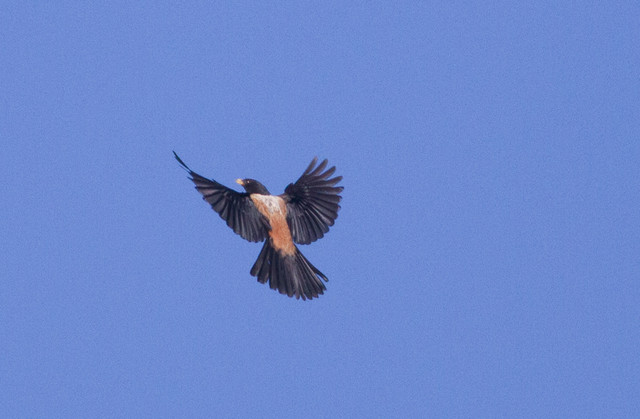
292, 275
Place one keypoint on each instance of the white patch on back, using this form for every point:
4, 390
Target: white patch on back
271, 203
274, 209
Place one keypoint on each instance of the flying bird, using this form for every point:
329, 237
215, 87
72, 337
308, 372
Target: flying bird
302, 215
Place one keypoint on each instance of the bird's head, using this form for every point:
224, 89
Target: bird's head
253, 186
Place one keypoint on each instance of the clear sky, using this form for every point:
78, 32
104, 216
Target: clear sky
485, 262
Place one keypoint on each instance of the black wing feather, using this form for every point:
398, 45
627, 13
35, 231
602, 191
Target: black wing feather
235, 208
312, 202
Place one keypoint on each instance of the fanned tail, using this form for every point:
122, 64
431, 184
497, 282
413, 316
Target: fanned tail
290, 274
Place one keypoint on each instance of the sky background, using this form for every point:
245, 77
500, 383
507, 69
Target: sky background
485, 262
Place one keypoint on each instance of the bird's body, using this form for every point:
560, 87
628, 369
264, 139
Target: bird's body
274, 209
301, 215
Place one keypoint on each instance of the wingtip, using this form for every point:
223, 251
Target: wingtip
311, 165
183, 164
319, 168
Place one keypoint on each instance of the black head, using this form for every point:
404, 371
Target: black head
253, 186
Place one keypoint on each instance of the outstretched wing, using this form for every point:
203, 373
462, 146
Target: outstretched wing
312, 202
235, 208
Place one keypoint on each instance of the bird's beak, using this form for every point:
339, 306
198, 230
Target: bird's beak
240, 182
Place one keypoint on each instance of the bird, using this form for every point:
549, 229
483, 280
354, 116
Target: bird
301, 215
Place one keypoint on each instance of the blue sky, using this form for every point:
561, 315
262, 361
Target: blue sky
485, 261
